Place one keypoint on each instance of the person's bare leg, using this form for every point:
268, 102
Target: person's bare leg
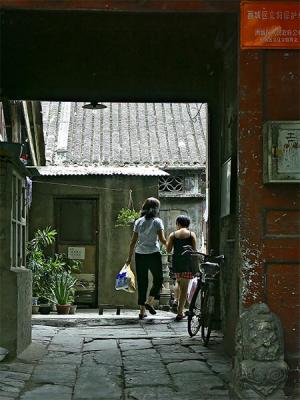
183, 285
177, 292
142, 310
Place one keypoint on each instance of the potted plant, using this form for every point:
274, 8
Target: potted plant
73, 307
45, 268
39, 265
44, 306
126, 217
61, 291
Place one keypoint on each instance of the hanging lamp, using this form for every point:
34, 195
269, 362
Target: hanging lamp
94, 105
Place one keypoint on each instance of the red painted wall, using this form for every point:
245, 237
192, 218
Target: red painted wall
269, 213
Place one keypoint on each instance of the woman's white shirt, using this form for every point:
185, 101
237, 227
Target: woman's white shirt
147, 230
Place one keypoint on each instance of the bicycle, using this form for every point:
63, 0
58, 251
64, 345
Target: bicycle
202, 306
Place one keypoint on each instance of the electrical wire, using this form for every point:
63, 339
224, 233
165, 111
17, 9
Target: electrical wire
93, 187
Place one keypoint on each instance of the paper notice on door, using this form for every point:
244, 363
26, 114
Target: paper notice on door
76, 253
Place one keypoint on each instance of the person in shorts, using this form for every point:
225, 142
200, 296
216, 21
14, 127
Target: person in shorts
181, 263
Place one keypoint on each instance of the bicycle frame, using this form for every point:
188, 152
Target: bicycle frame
202, 306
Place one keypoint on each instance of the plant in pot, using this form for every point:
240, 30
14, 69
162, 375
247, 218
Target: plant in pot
126, 217
73, 306
38, 263
61, 290
45, 268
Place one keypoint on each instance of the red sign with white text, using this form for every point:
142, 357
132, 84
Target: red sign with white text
270, 24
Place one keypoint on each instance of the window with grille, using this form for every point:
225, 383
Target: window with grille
171, 184
18, 222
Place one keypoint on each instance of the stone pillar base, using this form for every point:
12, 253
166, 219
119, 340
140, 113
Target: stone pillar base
259, 369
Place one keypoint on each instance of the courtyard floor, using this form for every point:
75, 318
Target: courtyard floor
110, 357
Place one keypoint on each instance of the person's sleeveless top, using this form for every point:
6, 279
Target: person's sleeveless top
181, 263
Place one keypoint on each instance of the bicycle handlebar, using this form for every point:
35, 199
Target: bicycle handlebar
189, 250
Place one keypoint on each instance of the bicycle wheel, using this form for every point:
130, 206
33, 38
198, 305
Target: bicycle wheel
194, 316
207, 310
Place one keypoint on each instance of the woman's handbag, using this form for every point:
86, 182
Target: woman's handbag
125, 280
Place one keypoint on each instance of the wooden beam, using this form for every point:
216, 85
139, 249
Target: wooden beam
29, 133
223, 6
38, 132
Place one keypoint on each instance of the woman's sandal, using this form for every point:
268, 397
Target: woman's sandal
150, 309
179, 317
142, 316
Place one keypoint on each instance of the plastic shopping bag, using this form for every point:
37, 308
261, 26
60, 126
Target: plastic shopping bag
125, 280
191, 289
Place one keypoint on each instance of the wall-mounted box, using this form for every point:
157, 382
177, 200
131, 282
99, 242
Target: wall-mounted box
281, 151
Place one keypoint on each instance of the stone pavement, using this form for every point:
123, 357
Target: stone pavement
124, 359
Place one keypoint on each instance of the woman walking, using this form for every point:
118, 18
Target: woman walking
181, 263
147, 232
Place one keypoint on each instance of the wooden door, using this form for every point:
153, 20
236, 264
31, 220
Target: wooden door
77, 227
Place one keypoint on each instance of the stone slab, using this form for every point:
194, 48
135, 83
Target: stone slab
108, 357
11, 384
150, 393
12, 390
103, 344
17, 367
19, 376
60, 357
126, 345
57, 374
188, 366
146, 378
48, 392
145, 365
175, 348
8, 396
164, 341
173, 357
101, 383
141, 353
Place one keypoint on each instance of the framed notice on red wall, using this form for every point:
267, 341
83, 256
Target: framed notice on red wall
270, 25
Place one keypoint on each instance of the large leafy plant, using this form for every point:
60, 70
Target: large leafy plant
45, 268
62, 289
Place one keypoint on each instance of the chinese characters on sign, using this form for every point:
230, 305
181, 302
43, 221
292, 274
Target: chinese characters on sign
288, 151
270, 24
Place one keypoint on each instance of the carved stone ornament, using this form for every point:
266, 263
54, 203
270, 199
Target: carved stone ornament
258, 363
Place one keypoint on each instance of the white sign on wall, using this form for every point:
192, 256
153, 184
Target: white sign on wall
76, 253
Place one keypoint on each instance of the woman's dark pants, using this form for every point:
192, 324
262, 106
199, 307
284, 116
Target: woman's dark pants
143, 263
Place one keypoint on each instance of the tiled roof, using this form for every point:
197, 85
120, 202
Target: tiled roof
56, 170
164, 135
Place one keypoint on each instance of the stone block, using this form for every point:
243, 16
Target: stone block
15, 313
